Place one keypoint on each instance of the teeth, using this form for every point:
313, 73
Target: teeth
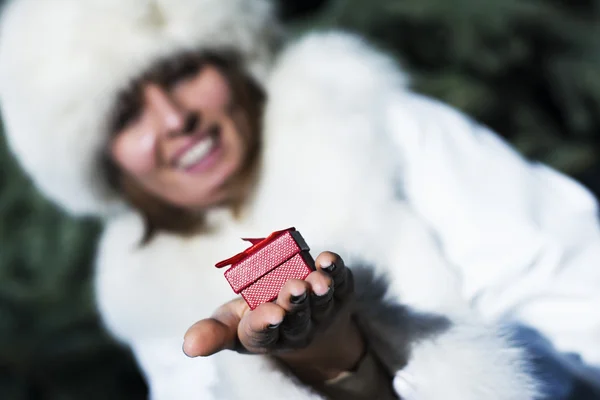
196, 153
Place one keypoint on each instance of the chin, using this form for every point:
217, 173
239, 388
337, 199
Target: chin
215, 200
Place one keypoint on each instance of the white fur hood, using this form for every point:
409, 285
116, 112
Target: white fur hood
63, 63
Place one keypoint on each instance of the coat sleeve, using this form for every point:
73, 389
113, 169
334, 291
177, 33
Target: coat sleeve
524, 237
469, 361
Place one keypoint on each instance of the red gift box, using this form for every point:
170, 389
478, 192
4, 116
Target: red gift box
259, 272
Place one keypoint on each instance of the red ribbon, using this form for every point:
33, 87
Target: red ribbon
257, 244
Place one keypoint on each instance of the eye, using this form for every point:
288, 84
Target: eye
176, 70
128, 109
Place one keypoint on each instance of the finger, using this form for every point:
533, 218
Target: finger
292, 295
211, 335
296, 328
321, 298
333, 265
258, 331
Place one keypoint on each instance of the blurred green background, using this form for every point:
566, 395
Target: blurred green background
527, 68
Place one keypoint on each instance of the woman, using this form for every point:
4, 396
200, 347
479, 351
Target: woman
186, 127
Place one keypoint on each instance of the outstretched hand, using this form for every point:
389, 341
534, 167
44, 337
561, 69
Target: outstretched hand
309, 326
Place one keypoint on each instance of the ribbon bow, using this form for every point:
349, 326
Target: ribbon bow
257, 244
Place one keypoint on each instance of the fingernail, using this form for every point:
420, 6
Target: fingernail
329, 268
274, 326
326, 292
298, 299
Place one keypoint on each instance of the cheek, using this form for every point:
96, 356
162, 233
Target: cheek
217, 95
135, 152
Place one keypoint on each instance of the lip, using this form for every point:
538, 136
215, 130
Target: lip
207, 162
191, 142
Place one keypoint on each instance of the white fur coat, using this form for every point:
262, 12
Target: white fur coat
333, 169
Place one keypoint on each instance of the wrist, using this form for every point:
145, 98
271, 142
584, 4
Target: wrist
335, 374
370, 380
327, 373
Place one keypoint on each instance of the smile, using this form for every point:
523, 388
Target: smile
201, 154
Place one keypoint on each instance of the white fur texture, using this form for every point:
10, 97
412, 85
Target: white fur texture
62, 62
480, 359
331, 172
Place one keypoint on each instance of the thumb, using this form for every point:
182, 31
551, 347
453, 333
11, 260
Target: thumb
212, 335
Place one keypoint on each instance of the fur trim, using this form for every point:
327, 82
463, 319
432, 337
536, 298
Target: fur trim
326, 115
469, 362
63, 61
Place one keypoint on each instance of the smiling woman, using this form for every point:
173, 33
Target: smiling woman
349, 153
185, 136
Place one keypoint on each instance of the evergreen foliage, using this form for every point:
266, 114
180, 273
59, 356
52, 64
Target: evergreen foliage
526, 68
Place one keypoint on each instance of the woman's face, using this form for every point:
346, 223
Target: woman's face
183, 145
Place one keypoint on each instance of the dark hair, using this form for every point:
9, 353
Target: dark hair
247, 110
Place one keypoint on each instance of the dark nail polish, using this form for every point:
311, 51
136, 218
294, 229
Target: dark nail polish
298, 299
329, 269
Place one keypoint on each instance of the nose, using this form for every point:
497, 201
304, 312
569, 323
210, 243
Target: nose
173, 119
